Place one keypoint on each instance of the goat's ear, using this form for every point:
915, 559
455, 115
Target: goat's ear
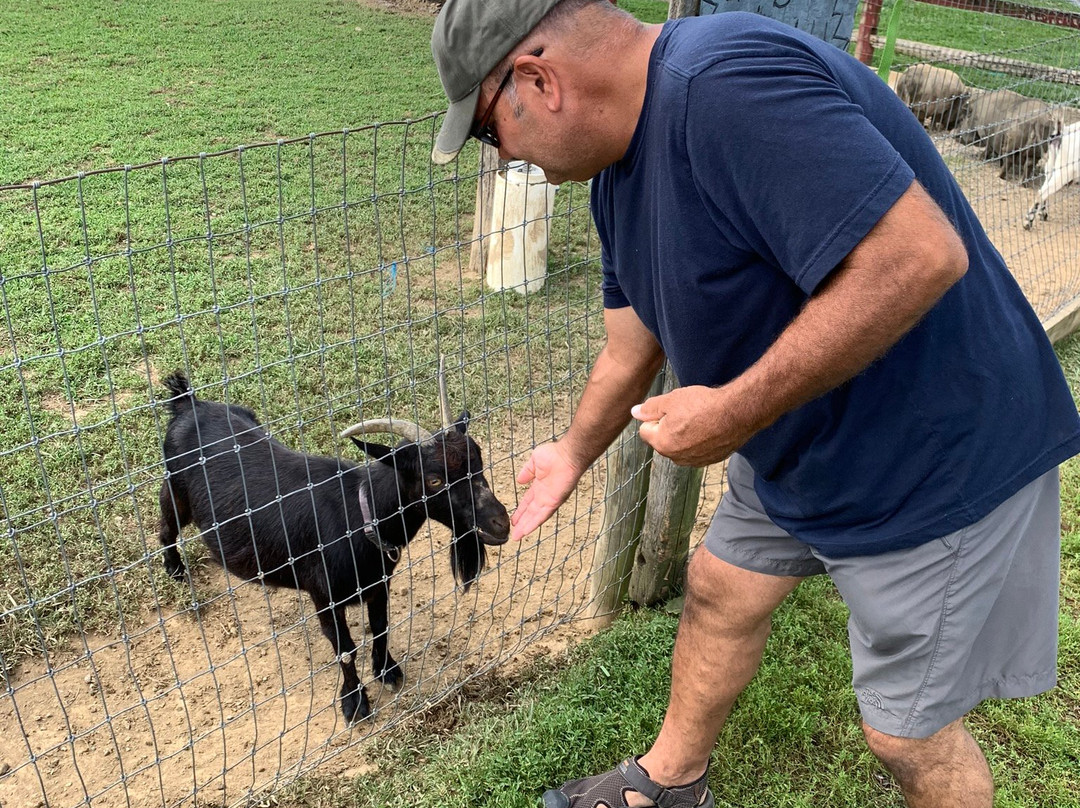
462, 422
404, 459
376, 450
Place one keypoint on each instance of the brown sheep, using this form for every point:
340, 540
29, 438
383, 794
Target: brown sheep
937, 96
1020, 142
985, 112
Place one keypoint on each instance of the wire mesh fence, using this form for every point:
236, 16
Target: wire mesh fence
994, 113
317, 282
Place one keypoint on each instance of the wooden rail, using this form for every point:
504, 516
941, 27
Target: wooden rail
1065, 19
1000, 64
866, 38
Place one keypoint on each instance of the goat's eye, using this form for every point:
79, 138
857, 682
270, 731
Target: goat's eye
434, 482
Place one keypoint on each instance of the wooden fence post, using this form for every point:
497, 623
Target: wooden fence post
683, 8
670, 512
864, 50
485, 197
625, 491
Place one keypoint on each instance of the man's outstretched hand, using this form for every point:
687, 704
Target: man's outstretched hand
551, 476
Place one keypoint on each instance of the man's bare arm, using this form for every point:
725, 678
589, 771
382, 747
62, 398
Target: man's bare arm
892, 278
620, 376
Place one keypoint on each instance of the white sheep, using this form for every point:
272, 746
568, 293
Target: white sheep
1062, 168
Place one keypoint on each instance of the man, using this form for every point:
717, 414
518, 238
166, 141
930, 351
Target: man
779, 226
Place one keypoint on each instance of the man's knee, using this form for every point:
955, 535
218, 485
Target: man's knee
889, 749
736, 600
947, 768
909, 756
711, 585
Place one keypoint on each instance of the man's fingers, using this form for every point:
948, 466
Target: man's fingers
647, 411
649, 431
527, 473
525, 520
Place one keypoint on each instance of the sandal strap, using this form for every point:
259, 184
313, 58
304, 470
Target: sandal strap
609, 789
632, 772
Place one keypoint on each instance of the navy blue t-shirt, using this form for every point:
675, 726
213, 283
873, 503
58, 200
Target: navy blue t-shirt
762, 157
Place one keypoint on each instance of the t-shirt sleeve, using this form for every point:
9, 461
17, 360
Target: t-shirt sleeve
614, 298
790, 165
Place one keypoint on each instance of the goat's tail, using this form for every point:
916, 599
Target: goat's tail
182, 396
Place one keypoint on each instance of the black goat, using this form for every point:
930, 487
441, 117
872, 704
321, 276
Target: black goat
327, 526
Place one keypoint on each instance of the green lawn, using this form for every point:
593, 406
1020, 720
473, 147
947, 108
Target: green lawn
315, 278
1011, 38
96, 83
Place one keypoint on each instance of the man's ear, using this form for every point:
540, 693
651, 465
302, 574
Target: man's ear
535, 74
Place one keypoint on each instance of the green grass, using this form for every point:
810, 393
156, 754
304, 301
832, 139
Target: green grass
1008, 37
98, 83
316, 278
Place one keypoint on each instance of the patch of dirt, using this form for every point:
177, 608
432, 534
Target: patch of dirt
209, 704
1045, 260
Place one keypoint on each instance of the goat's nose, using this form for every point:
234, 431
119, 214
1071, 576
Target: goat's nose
494, 530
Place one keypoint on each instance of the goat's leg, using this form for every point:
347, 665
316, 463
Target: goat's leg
354, 700
1029, 219
1054, 182
1039, 208
175, 513
386, 668
1050, 186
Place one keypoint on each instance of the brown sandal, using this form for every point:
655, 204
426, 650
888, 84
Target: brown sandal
609, 790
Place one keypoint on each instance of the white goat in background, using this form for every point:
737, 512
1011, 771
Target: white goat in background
1062, 168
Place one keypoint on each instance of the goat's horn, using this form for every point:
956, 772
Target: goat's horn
395, 426
444, 401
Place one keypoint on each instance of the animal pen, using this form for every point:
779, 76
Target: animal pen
317, 281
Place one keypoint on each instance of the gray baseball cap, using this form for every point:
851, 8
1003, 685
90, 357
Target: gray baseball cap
469, 39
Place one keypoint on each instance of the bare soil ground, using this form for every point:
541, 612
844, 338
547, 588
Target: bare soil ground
208, 704
1045, 260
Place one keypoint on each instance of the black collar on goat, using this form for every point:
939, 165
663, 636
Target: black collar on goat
438, 476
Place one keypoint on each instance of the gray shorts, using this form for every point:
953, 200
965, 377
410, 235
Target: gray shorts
934, 629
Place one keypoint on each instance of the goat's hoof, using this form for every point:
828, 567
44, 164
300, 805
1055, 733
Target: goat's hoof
391, 677
177, 571
355, 706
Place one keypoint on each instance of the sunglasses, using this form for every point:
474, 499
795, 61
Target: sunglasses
483, 129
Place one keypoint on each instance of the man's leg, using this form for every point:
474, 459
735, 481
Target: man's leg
945, 770
743, 570
938, 628
721, 638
